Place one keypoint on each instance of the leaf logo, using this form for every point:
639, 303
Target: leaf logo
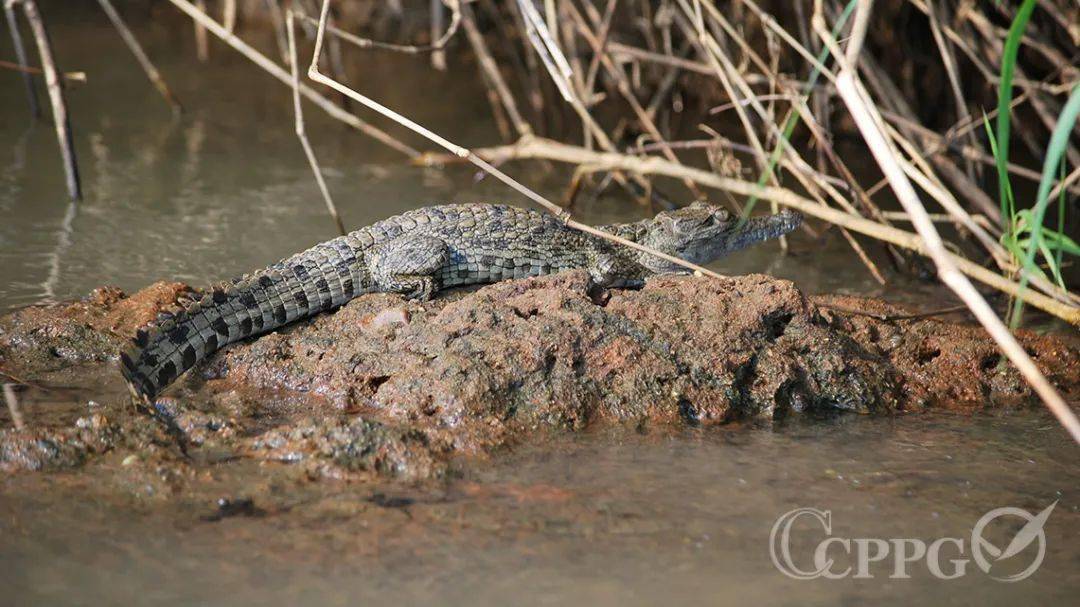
1031, 532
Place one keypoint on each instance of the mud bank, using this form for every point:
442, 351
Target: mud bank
385, 386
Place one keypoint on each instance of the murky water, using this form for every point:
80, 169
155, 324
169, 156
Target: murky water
604, 518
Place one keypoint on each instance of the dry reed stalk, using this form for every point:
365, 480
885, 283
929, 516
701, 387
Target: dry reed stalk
228, 15
140, 56
281, 75
438, 16
20, 56
300, 132
564, 82
547, 48
491, 73
784, 153
871, 126
1039, 104
886, 89
56, 97
202, 43
462, 153
948, 60
531, 72
600, 49
409, 49
624, 88
933, 143
1066, 184
277, 20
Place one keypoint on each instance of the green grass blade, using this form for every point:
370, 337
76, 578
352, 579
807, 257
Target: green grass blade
1004, 116
1055, 151
1008, 205
1061, 215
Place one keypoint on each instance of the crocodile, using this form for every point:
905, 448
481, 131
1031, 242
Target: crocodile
418, 253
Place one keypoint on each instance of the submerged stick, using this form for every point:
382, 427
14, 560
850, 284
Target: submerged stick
56, 97
278, 72
140, 56
290, 28
20, 56
13, 407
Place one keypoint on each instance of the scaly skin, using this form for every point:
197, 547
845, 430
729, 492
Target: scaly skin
417, 254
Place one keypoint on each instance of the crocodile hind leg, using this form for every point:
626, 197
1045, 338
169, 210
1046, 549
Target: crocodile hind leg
409, 265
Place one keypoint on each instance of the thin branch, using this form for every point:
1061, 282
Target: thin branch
409, 49
548, 50
438, 16
300, 133
285, 78
56, 97
277, 20
228, 15
491, 72
140, 56
20, 56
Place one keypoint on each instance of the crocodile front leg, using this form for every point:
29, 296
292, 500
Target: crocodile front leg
615, 272
409, 265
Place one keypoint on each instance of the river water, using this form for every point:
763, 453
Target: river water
604, 517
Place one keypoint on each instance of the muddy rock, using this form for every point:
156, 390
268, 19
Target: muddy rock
550, 352
951, 365
44, 338
385, 386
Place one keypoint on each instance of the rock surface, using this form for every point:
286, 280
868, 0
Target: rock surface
389, 386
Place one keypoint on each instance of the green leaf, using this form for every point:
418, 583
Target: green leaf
1055, 151
1005, 88
1008, 205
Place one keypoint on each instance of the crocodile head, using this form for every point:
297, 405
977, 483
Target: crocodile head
700, 233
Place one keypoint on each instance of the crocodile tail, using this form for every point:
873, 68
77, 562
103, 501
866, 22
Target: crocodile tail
319, 279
